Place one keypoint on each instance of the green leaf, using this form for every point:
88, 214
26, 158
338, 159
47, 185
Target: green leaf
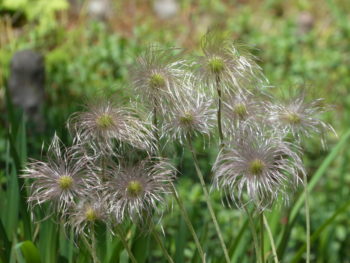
28, 251
318, 232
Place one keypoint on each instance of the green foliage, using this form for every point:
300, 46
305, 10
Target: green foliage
88, 59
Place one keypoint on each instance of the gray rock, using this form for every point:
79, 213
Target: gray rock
165, 9
101, 10
26, 83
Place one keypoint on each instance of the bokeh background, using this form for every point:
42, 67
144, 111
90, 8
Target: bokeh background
88, 47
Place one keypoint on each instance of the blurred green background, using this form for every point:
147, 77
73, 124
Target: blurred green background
298, 43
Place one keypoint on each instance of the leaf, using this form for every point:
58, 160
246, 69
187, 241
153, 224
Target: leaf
318, 232
29, 252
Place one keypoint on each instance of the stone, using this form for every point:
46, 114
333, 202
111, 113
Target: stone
26, 83
305, 23
101, 10
165, 9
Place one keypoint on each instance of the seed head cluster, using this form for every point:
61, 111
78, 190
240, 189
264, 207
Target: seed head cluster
260, 152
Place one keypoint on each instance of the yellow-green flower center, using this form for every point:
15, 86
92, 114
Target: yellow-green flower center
156, 81
216, 65
241, 110
186, 119
256, 166
292, 118
90, 214
134, 188
65, 182
104, 121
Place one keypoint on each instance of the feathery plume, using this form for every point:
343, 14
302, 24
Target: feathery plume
61, 180
103, 125
257, 166
135, 191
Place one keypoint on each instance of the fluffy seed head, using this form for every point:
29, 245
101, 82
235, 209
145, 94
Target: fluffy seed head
157, 76
191, 115
136, 191
299, 118
257, 166
103, 125
61, 180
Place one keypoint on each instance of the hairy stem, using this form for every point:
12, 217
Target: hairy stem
189, 224
178, 198
272, 242
208, 201
307, 215
254, 234
160, 243
262, 238
91, 247
125, 244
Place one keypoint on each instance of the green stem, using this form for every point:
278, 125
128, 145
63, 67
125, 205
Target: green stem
307, 215
91, 247
207, 199
160, 243
254, 233
272, 242
189, 224
125, 244
262, 238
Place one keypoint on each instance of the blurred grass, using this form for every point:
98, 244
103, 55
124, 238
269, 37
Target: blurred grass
86, 57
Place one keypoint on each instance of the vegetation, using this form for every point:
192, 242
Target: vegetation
298, 44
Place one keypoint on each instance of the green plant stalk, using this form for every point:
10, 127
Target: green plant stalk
262, 238
272, 242
207, 199
160, 243
189, 224
125, 244
307, 217
178, 198
91, 247
254, 233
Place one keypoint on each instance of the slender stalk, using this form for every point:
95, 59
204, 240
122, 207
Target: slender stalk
189, 224
178, 198
254, 233
307, 215
125, 244
91, 247
159, 241
262, 238
207, 199
218, 88
272, 242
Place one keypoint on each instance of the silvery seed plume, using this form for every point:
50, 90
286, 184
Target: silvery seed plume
193, 114
226, 62
103, 124
300, 118
90, 210
136, 191
241, 107
157, 76
257, 167
59, 181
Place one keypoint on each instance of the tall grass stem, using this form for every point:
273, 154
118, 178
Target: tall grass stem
272, 242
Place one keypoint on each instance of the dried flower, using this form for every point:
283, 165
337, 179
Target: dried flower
135, 191
299, 117
226, 63
257, 166
90, 210
157, 76
241, 107
103, 124
62, 179
191, 115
